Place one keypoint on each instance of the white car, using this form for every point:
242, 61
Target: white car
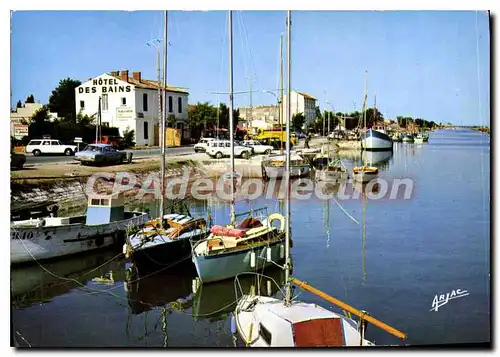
220, 148
258, 148
202, 145
49, 146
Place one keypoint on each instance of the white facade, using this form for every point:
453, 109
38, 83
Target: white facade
301, 103
131, 103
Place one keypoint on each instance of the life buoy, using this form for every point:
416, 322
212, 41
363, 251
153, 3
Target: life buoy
277, 216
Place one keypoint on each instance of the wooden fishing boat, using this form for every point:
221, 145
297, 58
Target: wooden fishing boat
104, 224
364, 173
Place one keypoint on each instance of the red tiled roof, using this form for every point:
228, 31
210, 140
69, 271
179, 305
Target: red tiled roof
149, 84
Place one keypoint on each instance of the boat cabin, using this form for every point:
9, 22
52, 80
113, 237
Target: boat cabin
105, 209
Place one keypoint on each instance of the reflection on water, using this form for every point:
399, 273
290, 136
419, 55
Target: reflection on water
388, 257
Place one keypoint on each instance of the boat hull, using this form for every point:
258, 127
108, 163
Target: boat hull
169, 251
227, 265
364, 176
331, 176
30, 243
375, 140
279, 171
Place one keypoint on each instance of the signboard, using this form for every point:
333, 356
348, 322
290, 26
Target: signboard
78, 140
106, 85
124, 114
20, 131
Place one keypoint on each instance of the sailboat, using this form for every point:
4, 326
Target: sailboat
263, 321
365, 173
253, 243
329, 169
274, 165
376, 138
167, 238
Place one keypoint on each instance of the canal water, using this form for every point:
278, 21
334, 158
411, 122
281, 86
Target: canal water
390, 257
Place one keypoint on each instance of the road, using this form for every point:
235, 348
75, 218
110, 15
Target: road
30, 159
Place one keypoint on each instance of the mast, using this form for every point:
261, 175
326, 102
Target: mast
364, 100
163, 117
280, 112
231, 125
288, 292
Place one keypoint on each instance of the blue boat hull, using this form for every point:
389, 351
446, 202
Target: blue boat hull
227, 265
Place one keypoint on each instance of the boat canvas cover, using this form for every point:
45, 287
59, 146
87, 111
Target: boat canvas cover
319, 333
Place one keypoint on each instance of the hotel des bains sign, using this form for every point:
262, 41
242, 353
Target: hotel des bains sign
104, 86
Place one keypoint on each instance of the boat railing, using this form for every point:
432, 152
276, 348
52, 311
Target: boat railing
261, 276
250, 212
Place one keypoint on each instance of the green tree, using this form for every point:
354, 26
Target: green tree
62, 99
128, 137
201, 116
85, 119
298, 121
40, 124
224, 116
30, 99
171, 120
19, 104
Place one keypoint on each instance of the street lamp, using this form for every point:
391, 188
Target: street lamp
278, 106
333, 109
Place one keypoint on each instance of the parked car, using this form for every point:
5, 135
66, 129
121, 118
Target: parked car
258, 147
202, 145
220, 148
17, 160
100, 154
49, 146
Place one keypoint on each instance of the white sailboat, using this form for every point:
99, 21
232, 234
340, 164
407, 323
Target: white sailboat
253, 243
263, 321
365, 173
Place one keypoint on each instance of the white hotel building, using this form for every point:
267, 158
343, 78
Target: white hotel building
131, 103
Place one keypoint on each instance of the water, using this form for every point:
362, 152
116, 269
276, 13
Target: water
410, 250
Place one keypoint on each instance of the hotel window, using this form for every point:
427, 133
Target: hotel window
104, 102
145, 102
170, 104
124, 101
146, 136
82, 105
179, 104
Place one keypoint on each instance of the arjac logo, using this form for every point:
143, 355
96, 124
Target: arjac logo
443, 299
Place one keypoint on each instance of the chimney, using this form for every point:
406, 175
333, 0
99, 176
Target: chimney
124, 75
137, 76
114, 73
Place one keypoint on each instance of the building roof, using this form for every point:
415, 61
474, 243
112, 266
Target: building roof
305, 95
149, 84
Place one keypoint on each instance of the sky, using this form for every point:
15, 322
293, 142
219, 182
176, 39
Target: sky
429, 64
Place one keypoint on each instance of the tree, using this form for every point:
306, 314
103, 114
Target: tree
40, 124
30, 99
128, 137
318, 113
19, 104
85, 119
200, 116
298, 121
62, 99
171, 120
224, 116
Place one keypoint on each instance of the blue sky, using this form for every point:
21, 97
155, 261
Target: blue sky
422, 64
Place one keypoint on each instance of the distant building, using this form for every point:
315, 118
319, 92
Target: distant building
262, 116
131, 103
26, 113
267, 116
302, 103
22, 117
